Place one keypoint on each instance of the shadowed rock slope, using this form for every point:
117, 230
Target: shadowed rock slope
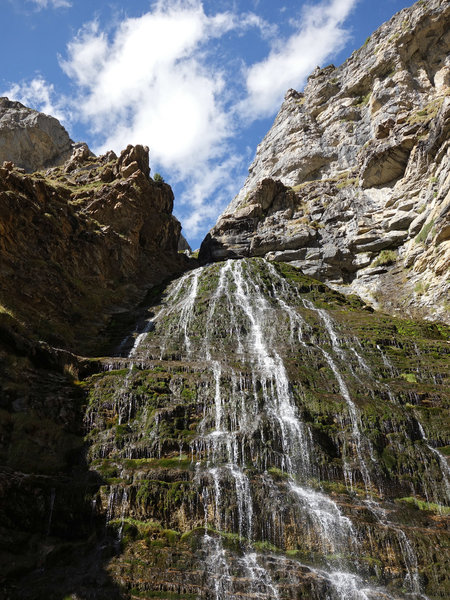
80, 244
352, 182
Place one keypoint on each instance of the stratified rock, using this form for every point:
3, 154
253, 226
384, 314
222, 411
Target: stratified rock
83, 241
358, 166
31, 139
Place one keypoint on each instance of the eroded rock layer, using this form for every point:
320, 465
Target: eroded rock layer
82, 242
80, 245
352, 182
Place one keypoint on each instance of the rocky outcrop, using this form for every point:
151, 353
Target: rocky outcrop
31, 139
81, 245
183, 244
83, 242
352, 182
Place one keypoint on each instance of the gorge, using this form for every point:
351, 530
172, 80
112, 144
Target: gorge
240, 426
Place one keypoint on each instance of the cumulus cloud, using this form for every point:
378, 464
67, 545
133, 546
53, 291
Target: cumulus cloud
216, 184
151, 82
157, 80
319, 35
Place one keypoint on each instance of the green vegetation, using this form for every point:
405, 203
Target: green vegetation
423, 233
160, 595
421, 288
385, 258
347, 182
427, 113
426, 506
410, 377
277, 473
393, 37
158, 178
363, 100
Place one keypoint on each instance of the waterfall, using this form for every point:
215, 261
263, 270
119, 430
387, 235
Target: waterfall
256, 455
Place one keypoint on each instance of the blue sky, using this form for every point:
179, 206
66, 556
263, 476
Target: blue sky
198, 82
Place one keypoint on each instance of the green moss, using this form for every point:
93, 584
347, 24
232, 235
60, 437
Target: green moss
277, 473
385, 258
409, 377
423, 233
180, 462
427, 113
265, 547
426, 506
364, 100
351, 181
188, 394
162, 595
389, 458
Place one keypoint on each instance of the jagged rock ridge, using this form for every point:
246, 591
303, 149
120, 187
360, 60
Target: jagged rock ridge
352, 182
84, 241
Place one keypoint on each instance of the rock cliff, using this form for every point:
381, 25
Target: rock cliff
351, 184
30, 139
83, 242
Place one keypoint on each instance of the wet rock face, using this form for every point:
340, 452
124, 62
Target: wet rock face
83, 241
359, 165
30, 139
270, 438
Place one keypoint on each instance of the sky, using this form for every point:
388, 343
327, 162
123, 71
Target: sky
199, 83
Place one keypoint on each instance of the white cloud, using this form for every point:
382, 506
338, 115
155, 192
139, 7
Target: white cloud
219, 183
41, 96
51, 3
319, 35
151, 83
165, 80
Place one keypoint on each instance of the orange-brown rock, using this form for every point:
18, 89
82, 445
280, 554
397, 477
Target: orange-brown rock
83, 241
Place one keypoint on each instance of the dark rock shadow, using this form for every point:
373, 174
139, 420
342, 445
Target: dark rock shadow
53, 538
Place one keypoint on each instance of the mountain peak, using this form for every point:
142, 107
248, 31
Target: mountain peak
362, 162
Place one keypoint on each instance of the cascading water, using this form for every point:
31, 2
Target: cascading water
258, 464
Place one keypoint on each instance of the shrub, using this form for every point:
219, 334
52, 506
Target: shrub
385, 258
423, 234
158, 178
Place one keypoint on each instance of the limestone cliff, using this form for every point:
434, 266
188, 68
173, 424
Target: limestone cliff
30, 139
80, 245
352, 182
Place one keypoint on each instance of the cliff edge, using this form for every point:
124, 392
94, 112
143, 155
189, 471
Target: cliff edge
351, 184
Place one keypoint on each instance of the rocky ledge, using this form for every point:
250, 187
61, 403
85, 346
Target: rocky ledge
352, 182
81, 243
